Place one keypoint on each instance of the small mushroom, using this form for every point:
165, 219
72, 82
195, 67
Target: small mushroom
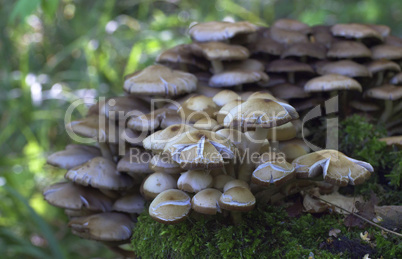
194, 181
206, 201
273, 172
170, 207
73, 155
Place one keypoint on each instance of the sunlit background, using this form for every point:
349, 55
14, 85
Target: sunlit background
53, 52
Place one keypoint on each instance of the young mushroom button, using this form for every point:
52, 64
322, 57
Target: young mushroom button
170, 206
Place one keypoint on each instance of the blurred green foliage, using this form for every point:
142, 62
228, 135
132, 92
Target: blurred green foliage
53, 52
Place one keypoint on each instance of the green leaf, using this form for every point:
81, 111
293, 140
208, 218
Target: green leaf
50, 7
22, 9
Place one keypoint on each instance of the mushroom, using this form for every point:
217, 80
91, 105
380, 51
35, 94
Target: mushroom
336, 168
206, 201
130, 203
273, 172
100, 173
170, 207
196, 108
200, 149
180, 57
72, 156
160, 81
389, 93
157, 183
194, 181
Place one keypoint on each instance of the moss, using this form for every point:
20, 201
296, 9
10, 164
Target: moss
265, 233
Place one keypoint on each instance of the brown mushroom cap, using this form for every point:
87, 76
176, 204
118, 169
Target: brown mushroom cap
344, 67
225, 96
122, 107
219, 31
181, 54
336, 168
108, 226
307, 49
287, 37
293, 149
273, 172
266, 46
348, 50
237, 199
206, 201
164, 163
394, 140
157, 141
237, 77
197, 107
73, 156
135, 161
157, 183
160, 118
170, 206
288, 91
385, 92
207, 124
291, 25
288, 65
160, 80
92, 127
221, 180
259, 113
387, 52
332, 82
68, 195
194, 181
130, 203
364, 106
355, 31
283, 132
99, 172
383, 65
200, 149
219, 51
235, 183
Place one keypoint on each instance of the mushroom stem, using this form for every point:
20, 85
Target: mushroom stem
217, 66
291, 77
387, 112
123, 252
230, 168
380, 78
254, 145
236, 217
105, 150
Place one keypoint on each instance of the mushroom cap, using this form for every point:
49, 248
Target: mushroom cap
181, 54
219, 31
235, 183
219, 51
348, 49
170, 206
200, 149
336, 167
291, 25
293, 149
157, 141
221, 180
221, 114
73, 156
99, 172
355, 31
306, 49
237, 77
288, 91
159, 118
237, 199
108, 226
383, 30
385, 51
266, 46
194, 181
207, 124
197, 107
283, 132
396, 79
332, 82
206, 201
385, 92
157, 183
160, 80
134, 137
96, 127
364, 106
344, 67
287, 37
136, 161
130, 203
273, 172
379, 65
394, 140
225, 96
123, 107
260, 113
164, 163
68, 195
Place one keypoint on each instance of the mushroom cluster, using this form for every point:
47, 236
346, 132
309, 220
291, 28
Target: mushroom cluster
214, 125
